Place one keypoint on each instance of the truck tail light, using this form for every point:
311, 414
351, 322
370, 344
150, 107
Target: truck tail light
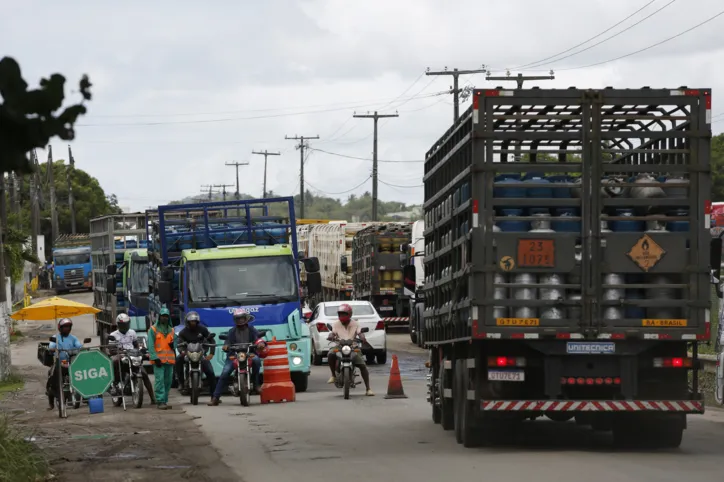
322, 327
590, 381
673, 362
506, 361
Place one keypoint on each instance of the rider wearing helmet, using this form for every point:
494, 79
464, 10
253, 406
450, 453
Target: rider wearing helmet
348, 329
127, 339
194, 332
241, 333
69, 345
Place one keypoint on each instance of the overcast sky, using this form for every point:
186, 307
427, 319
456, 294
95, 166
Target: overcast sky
181, 87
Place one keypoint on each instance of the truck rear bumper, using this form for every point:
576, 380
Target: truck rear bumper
679, 406
396, 321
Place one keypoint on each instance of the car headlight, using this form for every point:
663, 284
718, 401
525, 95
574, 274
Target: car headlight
195, 356
293, 346
296, 360
346, 350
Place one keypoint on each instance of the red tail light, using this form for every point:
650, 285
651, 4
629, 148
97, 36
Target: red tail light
322, 327
617, 381
673, 362
571, 381
380, 325
608, 380
599, 381
506, 361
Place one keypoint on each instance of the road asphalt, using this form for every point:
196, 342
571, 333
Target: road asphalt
323, 436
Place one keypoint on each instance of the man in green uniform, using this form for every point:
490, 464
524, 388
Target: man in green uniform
162, 353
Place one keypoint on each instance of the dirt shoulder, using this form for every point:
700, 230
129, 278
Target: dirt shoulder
137, 445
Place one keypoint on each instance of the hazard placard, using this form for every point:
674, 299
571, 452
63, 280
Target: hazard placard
646, 253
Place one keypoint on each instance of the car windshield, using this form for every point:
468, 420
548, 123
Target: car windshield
71, 258
357, 310
139, 277
243, 280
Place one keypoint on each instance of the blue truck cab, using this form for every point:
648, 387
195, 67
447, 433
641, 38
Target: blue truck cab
72, 268
215, 257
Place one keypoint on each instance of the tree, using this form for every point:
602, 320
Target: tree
717, 168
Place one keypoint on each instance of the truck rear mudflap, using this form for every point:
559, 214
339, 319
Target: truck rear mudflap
541, 406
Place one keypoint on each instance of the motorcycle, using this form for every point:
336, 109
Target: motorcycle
242, 355
194, 353
65, 392
131, 376
346, 373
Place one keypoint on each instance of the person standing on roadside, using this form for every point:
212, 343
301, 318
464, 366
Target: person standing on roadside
162, 353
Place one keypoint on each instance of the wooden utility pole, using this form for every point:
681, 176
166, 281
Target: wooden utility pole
210, 191
223, 189
35, 202
455, 90
69, 177
236, 165
3, 202
266, 154
301, 146
375, 117
53, 204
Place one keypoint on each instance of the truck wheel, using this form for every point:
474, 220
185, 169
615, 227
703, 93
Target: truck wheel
643, 433
447, 420
301, 381
458, 399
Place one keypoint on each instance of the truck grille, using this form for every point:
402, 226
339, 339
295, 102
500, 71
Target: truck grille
73, 277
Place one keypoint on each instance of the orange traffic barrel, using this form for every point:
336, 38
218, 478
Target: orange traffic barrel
277, 386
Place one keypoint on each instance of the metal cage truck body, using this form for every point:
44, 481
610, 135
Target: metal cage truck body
72, 263
377, 262
120, 273
568, 262
215, 257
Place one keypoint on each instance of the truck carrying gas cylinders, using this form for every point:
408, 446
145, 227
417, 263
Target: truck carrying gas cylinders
568, 262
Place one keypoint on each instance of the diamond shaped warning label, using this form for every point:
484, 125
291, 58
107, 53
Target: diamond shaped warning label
646, 253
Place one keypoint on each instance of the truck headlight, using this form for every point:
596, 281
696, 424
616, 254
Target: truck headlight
296, 360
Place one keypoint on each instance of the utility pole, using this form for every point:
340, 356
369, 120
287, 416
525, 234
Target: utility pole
266, 154
374, 117
210, 191
223, 189
3, 202
53, 205
35, 202
69, 177
519, 79
454, 89
301, 146
236, 165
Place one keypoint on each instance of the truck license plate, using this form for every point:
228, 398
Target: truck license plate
590, 348
506, 375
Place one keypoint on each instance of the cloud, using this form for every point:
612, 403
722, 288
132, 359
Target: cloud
181, 88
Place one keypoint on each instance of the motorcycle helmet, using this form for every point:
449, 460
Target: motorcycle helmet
192, 317
123, 323
345, 313
262, 349
64, 326
242, 317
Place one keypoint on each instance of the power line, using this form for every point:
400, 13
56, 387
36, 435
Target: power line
454, 89
607, 38
585, 41
301, 146
231, 119
359, 158
661, 42
343, 192
375, 118
396, 185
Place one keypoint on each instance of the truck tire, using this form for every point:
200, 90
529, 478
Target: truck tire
466, 429
458, 399
447, 420
642, 433
301, 381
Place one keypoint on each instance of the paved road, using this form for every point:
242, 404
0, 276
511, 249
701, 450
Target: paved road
324, 437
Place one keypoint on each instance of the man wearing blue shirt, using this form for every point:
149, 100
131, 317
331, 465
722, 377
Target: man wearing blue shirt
68, 345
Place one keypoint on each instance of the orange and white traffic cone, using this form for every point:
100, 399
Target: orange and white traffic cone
394, 387
277, 386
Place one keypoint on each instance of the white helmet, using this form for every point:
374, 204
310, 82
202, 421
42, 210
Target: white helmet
123, 318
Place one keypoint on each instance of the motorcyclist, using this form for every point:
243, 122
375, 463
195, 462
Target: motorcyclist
195, 332
241, 333
348, 329
127, 339
68, 345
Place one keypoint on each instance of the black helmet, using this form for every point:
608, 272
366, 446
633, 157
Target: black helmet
192, 316
242, 317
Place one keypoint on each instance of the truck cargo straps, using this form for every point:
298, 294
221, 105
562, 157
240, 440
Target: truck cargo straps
681, 406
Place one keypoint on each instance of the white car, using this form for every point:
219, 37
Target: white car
362, 311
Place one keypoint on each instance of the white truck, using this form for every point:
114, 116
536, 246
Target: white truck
414, 282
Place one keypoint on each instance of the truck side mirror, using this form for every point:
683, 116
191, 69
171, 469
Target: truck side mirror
311, 265
715, 247
404, 248
344, 264
52, 338
165, 294
314, 283
111, 286
409, 275
87, 340
111, 269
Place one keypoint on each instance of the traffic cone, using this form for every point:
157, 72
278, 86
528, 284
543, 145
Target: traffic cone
394, 387
277, 386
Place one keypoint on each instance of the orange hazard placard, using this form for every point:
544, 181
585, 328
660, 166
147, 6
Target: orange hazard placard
646, 253
536, 253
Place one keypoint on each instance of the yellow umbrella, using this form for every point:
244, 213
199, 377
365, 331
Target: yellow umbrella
52, 309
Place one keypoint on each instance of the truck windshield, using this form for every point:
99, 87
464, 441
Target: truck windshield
139, 277
240, 280
66, 259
